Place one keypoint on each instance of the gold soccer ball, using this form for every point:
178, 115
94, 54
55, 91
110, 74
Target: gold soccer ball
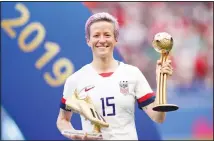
162, 42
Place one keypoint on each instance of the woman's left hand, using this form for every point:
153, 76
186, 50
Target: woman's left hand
165, 68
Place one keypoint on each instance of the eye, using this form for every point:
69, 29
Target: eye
108, 35
96, 35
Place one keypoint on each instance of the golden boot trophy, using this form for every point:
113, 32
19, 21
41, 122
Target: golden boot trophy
163, 43
85, 107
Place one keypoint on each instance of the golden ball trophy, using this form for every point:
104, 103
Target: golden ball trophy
83, 105
163, 43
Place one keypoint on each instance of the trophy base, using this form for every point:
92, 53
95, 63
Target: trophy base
165, 108
81, 133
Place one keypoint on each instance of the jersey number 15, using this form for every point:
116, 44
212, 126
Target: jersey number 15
106, 102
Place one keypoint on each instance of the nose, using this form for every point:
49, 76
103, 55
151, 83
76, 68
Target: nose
102, 39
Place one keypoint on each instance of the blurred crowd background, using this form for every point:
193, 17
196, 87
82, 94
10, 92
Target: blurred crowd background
30, 102
189, 23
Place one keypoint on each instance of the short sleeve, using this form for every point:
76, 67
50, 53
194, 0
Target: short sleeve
69, 88
144, 93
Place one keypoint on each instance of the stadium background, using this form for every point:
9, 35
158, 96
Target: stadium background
43, 42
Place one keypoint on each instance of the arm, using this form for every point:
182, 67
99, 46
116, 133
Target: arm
63, 123
65, 113
158, 117
144, 94
63, 120
147, 102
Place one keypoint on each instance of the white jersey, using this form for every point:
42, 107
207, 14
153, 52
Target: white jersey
114, 98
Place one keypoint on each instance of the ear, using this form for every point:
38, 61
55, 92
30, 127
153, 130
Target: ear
88, 42
116, 41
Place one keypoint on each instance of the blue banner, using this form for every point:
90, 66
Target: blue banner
42, 44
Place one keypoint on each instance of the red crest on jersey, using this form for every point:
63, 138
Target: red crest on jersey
124, 87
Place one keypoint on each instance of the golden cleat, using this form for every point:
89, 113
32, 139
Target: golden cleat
85, 107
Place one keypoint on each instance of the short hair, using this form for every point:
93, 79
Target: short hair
103, 16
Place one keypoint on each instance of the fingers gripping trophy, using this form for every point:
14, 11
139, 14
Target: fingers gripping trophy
163, 43
83, 105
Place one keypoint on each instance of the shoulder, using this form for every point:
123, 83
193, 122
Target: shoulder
78, 74
130, 68
132, 71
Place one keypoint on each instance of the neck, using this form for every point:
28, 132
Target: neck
103, 65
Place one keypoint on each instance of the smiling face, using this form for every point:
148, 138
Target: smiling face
102, 39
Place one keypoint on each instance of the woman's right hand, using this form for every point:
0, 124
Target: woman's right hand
86, 137
81, 137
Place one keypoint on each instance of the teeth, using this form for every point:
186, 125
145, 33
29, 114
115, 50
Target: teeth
103, 46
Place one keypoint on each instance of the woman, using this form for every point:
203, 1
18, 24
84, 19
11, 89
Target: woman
112, 85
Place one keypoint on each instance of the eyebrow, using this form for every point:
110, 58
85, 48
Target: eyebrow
96, 32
